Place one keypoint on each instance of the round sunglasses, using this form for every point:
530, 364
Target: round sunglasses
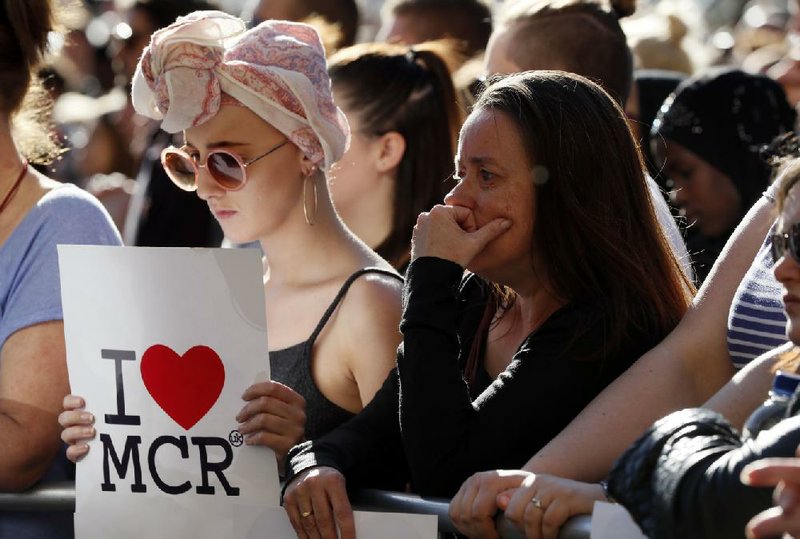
226, 168
787, 241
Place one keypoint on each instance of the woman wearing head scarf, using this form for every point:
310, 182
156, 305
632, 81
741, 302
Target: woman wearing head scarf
708, 135
260, 128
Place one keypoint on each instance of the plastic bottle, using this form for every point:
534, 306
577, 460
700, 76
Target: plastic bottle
772, 411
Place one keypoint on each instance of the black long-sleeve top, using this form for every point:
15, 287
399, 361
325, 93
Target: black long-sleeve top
682, 478
425, 426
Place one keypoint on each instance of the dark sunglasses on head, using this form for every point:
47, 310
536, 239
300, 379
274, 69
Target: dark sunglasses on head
787, 241
226, 168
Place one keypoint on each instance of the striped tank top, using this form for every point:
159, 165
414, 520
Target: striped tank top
756, 322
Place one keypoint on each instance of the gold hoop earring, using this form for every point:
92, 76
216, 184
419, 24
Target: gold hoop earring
310, 216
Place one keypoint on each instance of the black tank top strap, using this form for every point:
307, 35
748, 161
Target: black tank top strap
342, 291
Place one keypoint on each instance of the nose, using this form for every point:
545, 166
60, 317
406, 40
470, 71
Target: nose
207, 188
786, 269
460, 195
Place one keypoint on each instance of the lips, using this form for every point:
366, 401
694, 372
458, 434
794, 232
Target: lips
791, 300
223, 213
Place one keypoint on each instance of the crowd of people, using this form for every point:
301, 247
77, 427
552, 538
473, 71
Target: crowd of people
493, 235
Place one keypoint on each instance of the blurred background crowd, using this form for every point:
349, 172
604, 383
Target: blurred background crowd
114, 153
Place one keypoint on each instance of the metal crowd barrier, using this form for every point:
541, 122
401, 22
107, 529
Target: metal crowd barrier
382, 500
61, 497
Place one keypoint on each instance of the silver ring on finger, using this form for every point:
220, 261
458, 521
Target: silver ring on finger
536, 502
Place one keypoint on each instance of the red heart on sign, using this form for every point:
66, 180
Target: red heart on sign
185, 387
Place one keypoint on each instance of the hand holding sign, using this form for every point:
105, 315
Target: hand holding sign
274, 416
78, 427
186, 387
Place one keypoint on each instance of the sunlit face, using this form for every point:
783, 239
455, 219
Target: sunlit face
496, 181
272, 195
705, 196
496, 60
787, 270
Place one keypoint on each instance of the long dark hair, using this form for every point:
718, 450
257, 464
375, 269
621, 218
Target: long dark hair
24, 29
596, 231
410, 91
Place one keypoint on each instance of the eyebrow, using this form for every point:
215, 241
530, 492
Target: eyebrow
482, 159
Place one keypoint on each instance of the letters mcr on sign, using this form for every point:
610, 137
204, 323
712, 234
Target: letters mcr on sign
186, 388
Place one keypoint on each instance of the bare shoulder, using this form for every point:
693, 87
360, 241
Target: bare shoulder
369, 315
373, 298
369, 330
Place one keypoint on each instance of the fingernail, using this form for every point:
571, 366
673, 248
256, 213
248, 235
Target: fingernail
502, 501
87, 417
744, 477
74, 401
506, 223
787, 499
87, 431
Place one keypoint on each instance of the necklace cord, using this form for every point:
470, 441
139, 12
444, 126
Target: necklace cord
7, 198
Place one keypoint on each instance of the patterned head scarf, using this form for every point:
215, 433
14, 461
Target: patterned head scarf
277, 70
725, 117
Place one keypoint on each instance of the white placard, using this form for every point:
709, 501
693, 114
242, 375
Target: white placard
612, 521
162, 343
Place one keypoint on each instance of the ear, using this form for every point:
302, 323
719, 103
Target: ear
306, 166
391, 147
